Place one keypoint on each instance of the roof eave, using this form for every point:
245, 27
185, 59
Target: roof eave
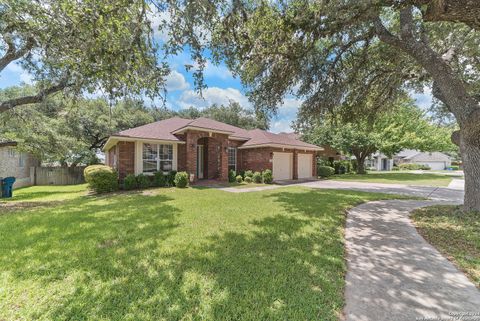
116, 138
309, 148
203, 129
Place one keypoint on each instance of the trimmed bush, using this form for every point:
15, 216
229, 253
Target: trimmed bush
241, 173
248, 174
159, 179
101, 178
410, 167
239, 178
267, 176
325, 171
231, 176
395, 168
454, 167
181, 179
342, 166
257, 177
248, 179
130, 182
143, 181
171, 178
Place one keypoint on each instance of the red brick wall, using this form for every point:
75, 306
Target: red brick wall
126, 158
259, 159
216, 153
181, 157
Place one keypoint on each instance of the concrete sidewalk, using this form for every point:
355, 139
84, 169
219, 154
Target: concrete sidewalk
394, 274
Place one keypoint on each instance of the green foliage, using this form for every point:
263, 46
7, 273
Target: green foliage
181, 179
130, 182
248, 173
257, 177
413, 167
231, 176
159, 179
101, 178
248, 179
267, 176
342, 167
170, 178
325, 171
454, 167
239, 178
143, 181
84, 46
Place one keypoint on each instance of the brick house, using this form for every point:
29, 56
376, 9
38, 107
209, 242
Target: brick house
328, 152
16, 163
208, 149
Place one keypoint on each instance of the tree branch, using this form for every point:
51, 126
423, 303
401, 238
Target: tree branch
9, 104
12, 53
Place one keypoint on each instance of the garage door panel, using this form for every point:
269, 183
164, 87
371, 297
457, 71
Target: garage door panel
435, 165
305, 166
282, 166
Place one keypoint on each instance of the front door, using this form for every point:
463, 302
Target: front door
200, 156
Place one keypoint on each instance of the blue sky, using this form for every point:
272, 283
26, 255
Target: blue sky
222, 87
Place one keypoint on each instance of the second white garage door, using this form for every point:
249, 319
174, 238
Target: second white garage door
282, 166
305, 165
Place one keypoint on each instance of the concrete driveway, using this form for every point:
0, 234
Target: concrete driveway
393, 273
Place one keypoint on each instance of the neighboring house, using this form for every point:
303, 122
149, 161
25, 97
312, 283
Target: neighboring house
208, 149
16, 163
328, 153
434, 160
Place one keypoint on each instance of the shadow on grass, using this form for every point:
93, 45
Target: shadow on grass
285, 266
394, 176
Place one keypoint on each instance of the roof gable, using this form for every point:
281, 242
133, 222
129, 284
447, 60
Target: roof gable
166, 130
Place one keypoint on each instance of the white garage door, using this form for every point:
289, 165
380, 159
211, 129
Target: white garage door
435, 165
282, 166
304, 165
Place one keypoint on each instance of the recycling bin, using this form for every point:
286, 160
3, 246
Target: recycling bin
7, 187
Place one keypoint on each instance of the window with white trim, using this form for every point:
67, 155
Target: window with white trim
157, 157
232, 158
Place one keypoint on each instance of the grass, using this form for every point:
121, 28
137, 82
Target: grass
246, 185
46, 193
454, 233
176, 254
429, 179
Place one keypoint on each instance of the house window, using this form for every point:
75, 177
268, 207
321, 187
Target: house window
157, 158
21, 159
232, 158
11, 152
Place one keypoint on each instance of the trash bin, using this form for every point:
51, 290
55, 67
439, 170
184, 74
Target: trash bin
7, 187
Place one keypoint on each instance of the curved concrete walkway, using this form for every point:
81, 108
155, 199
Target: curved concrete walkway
394, 274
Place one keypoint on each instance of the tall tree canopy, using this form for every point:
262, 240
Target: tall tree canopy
405, 126
74, 46
333, 52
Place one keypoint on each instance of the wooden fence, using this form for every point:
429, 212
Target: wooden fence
56, 175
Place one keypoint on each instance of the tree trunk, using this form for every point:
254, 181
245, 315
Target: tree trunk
360, 159
470, 150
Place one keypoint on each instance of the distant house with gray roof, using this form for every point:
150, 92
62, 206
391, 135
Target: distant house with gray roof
434, 160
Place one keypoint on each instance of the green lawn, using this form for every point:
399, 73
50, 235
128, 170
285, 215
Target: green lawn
454, 233
398, 178
172, 254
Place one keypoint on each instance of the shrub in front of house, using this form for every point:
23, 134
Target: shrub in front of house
171, 178
248, 179
412, 167
257, 177
241, 173
239, 178
159, 180
342, 166
143, 181
130, 182
101, 178
267, 176
181, 179
231, 176
454, 167
325, 171
248, 174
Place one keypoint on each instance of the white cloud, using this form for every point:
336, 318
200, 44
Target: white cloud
217, 71
212, 95
423, 100
24, 75
157, 19
281, 125
176, 81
